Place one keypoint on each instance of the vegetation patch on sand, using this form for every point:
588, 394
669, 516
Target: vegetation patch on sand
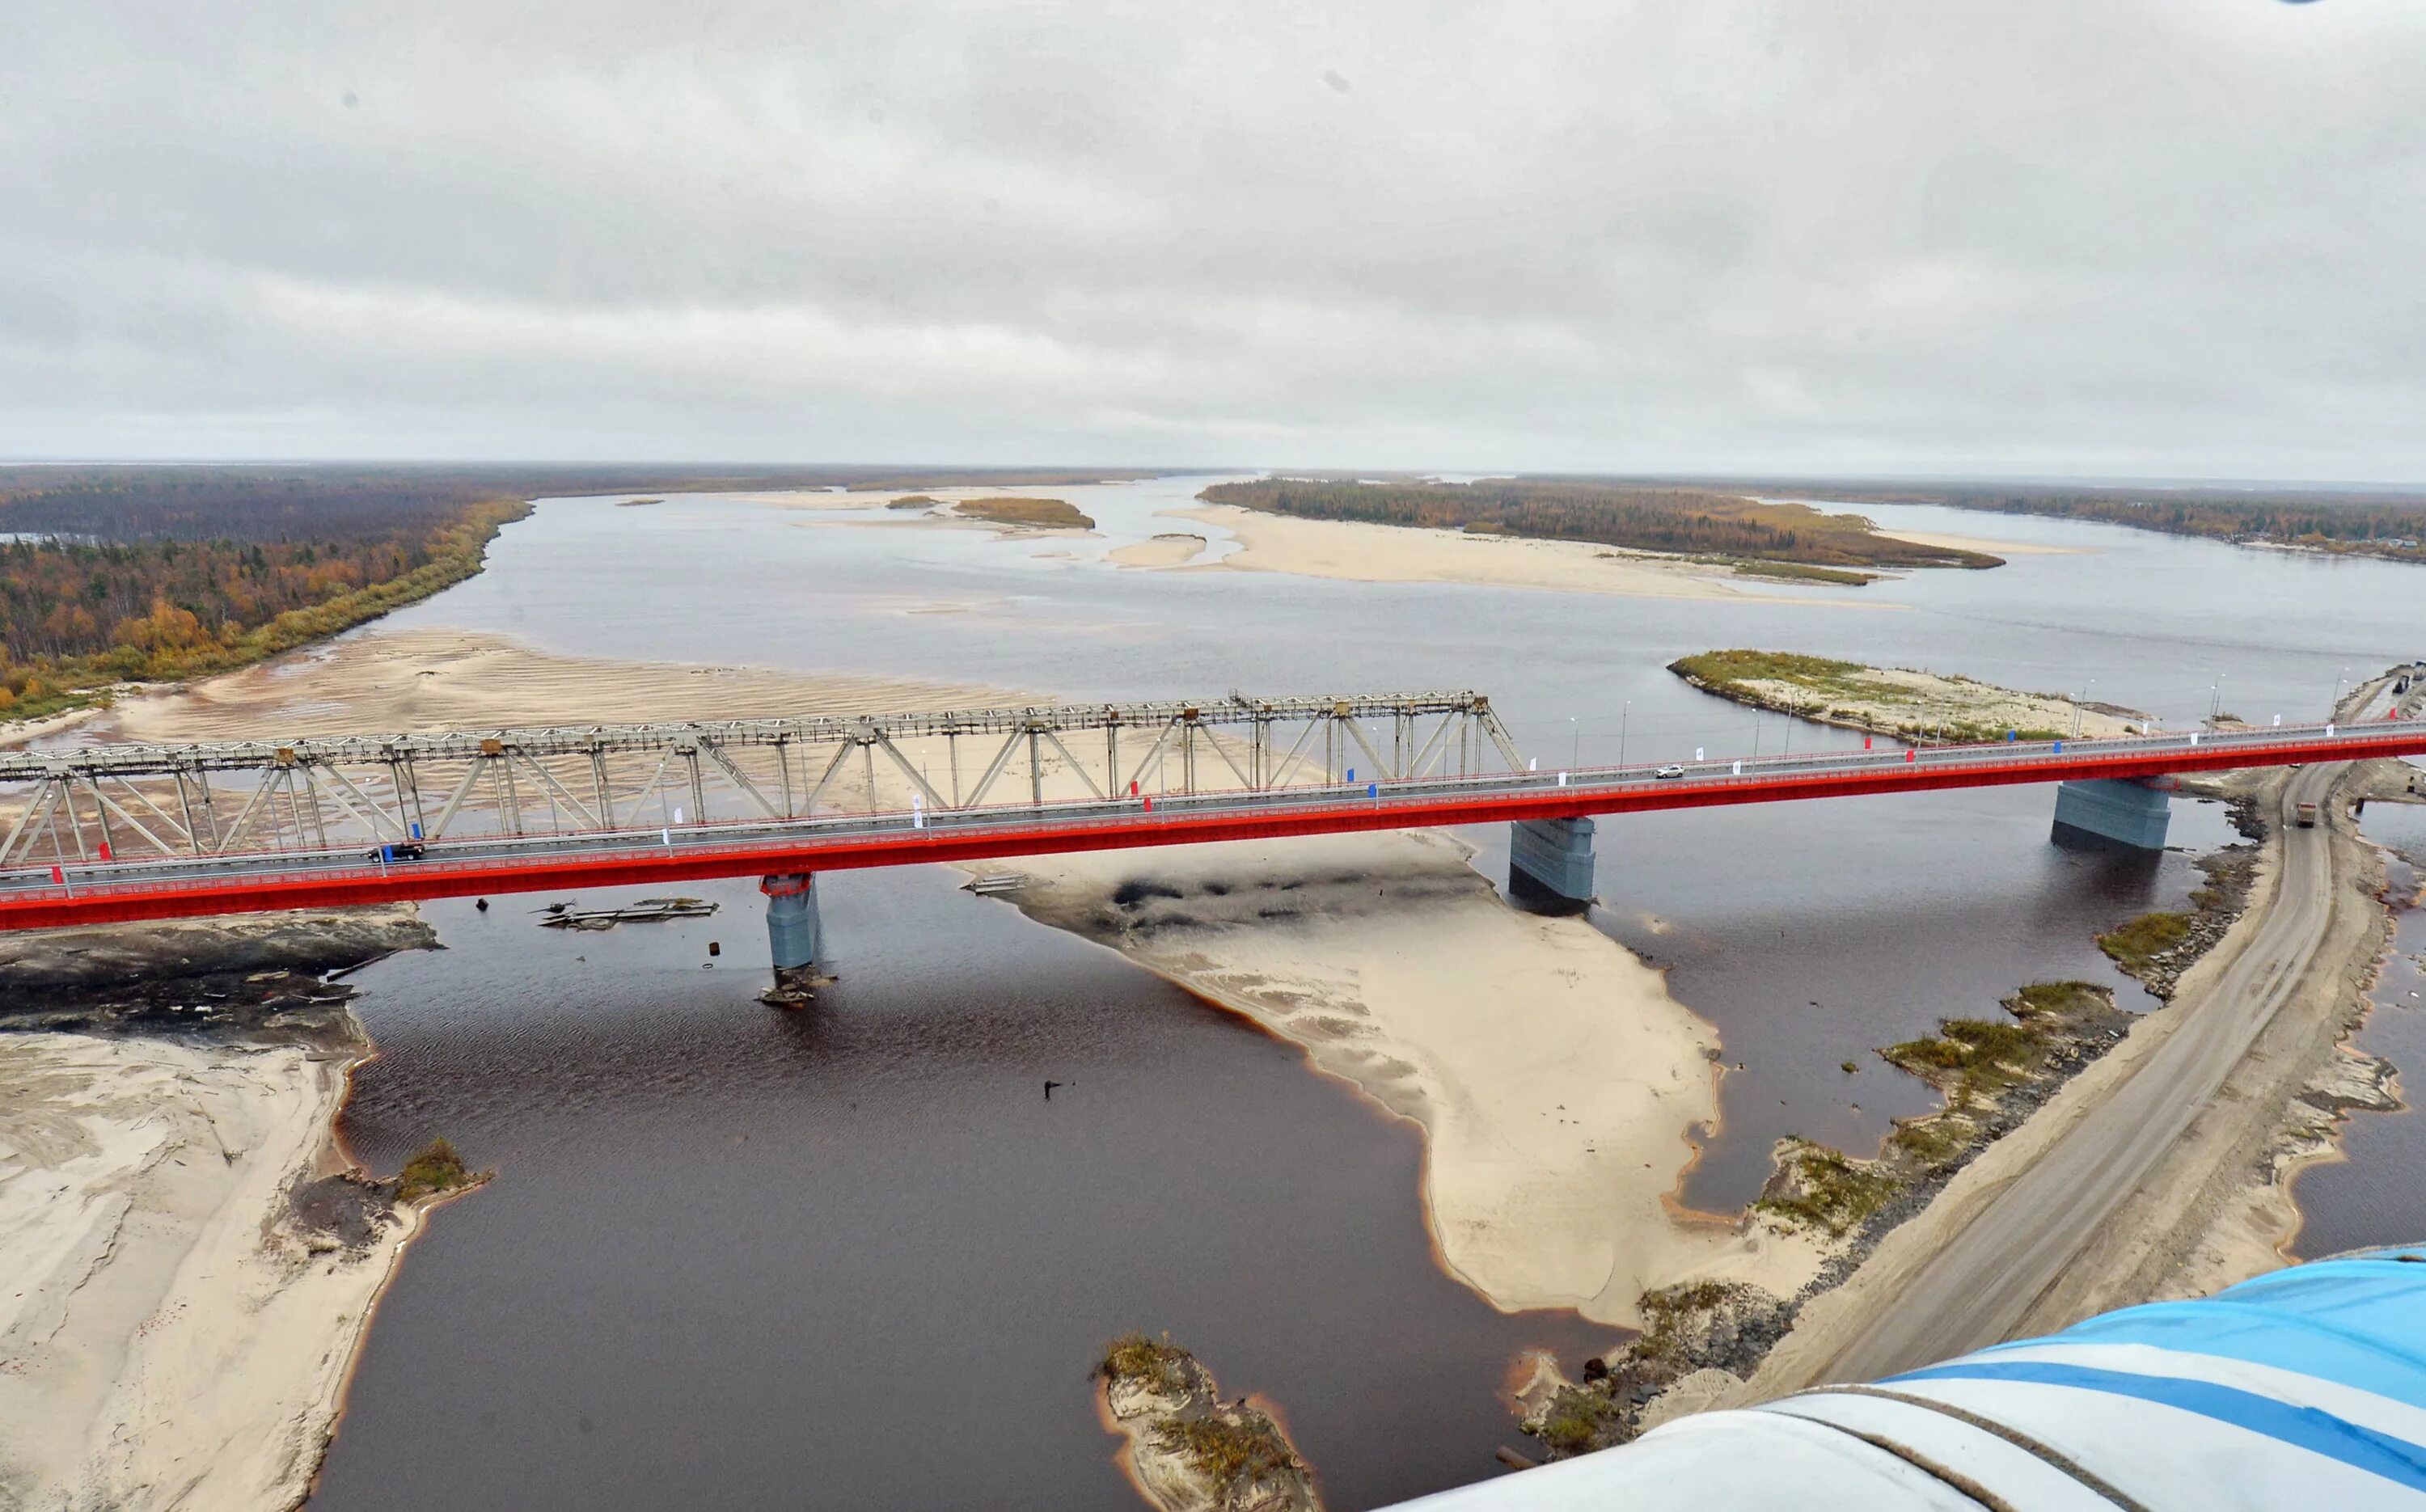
915, 501
1189, 1451
1674, 521
1801, 573
436, 1171
1925, 708
1045, 514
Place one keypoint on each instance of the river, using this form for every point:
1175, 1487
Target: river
853, 1258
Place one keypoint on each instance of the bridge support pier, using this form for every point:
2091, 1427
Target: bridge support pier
1550, 863
792, 936
2130, 812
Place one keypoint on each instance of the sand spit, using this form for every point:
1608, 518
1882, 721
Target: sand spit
1355, 552
171, 1336
1170, 549
1557, 1081
393, 681
1977, 543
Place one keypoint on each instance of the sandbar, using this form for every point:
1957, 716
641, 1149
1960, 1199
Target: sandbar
381, 682
1171, 549
1356, 551
1981, 544
1557, 1081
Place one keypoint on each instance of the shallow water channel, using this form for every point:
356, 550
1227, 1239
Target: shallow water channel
853, 1258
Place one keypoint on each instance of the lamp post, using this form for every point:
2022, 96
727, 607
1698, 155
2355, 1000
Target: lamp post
1624, 715
2077, 705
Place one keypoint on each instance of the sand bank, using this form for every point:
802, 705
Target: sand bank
1925, 707
1557, 1081
393, 681
1171, 549
1355, 552
170, 1336
1978, 543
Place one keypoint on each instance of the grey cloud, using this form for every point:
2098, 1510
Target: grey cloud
2113, 235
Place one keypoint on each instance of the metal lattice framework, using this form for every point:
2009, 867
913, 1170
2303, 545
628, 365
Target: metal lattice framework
332, 792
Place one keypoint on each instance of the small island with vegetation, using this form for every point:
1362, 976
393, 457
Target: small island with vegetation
1028, 514
1754, 537
1187, 1450
1925, 708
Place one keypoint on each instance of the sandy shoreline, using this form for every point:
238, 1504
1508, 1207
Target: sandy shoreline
400, 681
1355, 552
175, 1337
1557, 1083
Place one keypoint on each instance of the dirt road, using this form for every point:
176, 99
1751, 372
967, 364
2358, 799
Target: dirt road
1976, 1288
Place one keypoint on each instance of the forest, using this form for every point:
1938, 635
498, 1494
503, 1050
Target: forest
2384, 523
1686, 521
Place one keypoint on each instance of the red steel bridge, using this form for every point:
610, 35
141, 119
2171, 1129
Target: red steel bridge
109, 833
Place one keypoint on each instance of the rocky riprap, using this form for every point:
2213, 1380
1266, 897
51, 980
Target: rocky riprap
1704, 1326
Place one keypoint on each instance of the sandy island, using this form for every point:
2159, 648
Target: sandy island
1355, 552
1170, 549
1557, 1081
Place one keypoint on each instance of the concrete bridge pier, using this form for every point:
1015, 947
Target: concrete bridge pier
792, 936
1550, 863
2130, 811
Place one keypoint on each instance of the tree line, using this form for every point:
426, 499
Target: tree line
1684, 522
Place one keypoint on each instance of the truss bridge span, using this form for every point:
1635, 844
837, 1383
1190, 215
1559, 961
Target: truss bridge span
125, 832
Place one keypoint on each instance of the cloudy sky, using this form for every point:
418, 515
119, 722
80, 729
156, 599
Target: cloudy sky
2120, 237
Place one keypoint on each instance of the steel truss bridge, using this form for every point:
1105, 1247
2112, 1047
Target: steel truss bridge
127, 832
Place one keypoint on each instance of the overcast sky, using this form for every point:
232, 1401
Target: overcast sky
2153, 237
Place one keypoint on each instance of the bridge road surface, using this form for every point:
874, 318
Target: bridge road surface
126, 888
1975, 1291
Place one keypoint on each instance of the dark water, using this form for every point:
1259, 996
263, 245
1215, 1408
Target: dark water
852, 1259
2377, 1195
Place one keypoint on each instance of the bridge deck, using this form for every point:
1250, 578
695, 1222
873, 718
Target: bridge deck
189, 885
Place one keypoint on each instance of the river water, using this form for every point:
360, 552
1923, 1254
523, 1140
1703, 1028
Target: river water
2374, 1194
853, 1258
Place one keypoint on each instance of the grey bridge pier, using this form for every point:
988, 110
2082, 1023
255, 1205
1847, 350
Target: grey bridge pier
1550, 863
792, 935
2133, 812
